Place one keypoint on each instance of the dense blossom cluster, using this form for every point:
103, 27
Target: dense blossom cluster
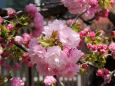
49, 80
53, 60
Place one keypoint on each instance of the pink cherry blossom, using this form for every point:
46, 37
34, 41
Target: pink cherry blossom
91, 34
108, 78
56, 25
100, 72
9, 26
49, 80
38, 23
19, 39
31, 9
1, 19
93, 3
16, 81
84, 66
69, 21
69, 38
26, 37
112, 46
11, 11
76, 6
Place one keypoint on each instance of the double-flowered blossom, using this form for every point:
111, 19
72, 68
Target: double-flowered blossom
53, 60
15, 81
49, 80
76, 6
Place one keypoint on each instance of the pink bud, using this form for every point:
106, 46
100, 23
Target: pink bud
1, 50
100, 72
6, 54
9, 26
91, 34
2, 45
87, 29
113, 33
89, 45
100, 46
102, 51
26, 37
107, 77
82, 33
16, 66
26, 55
70, 21
94, 47
10, 12
84, 66
79, 23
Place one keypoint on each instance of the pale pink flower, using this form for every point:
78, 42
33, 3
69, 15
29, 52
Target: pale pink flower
16, 81
26, 37
19, 39
69, 38
31, 8
76, 6
93, 2
1, 19
49, 80
38, 23
11, 11
1, 50
9, 26
56, 25
112, 46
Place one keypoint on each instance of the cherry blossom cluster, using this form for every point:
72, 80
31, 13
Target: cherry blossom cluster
91, 7
104, 73
60, 57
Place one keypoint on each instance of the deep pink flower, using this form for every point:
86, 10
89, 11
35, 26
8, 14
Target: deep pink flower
6, 54
82, 33
31, 8
84, 66
105, 71
89, 45
100, 46
91, 34
15, 81
26, 55
100, 72
49, 80
9, 26
1, 19
19, 39
11, 11
7, 67
70, 21
113, 33
107, 77
1, 62
102, 51
16, 66
1, 39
